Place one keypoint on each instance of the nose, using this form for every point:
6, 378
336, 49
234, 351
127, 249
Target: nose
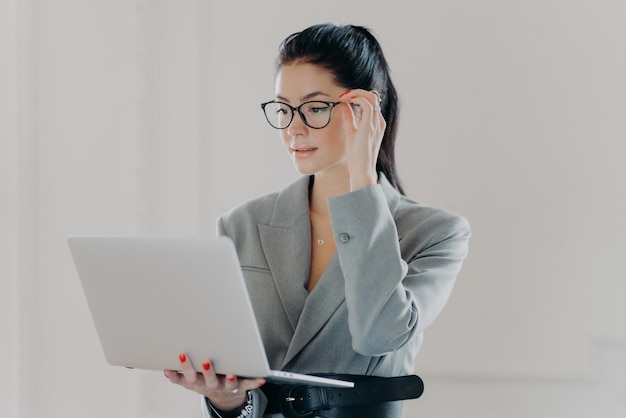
297, 127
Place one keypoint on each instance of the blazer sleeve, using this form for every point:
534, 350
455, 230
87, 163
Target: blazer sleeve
399, 272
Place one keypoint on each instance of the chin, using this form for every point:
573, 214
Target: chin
310, 167
305, 172
304, 169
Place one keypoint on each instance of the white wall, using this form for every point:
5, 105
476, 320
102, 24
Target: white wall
143, 116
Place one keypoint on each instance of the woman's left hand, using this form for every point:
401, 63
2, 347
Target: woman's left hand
225, 392
364, 135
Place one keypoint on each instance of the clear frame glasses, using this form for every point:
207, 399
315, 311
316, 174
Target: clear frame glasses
315, 114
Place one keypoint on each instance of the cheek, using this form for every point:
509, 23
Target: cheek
336, 134
335, 142
284, 137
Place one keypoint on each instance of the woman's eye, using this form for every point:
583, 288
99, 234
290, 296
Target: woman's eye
318, 109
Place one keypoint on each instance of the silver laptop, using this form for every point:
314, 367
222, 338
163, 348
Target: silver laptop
153, 298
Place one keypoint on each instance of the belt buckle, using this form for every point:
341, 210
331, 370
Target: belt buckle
287, 404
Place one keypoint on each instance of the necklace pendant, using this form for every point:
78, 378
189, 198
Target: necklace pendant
320, 242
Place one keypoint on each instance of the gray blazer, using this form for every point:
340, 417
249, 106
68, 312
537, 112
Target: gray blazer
393, 272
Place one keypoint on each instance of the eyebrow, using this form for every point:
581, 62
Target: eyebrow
306, 97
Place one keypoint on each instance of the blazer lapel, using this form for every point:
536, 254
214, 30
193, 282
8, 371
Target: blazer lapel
287, 246
319, 307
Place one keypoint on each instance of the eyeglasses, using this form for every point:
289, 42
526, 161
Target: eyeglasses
314, 114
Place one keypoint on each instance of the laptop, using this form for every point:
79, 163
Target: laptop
153, 298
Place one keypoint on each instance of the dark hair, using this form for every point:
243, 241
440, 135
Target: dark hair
354, 57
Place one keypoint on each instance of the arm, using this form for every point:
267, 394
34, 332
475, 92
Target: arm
395, 286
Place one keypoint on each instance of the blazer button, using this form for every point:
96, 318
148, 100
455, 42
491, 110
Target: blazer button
343, 237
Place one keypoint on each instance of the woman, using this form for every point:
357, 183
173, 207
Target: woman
343, 270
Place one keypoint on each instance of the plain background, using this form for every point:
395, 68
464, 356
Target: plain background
143, 117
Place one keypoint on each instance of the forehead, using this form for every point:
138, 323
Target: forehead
296, 81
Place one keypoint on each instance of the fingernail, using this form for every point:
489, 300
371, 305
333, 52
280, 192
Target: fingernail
206, 366
182, 358
344, 93
353, 97
165, 374
231, 378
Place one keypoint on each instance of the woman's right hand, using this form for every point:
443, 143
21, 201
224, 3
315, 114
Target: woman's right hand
225, 392
364, 130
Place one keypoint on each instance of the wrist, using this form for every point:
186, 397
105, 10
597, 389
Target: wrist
243, 409
362, 181
228, 403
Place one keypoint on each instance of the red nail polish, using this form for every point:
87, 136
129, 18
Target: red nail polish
353, 97
182, 358
344, 93
231, 378
206, 366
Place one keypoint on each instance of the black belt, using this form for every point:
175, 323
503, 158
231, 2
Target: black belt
368, 392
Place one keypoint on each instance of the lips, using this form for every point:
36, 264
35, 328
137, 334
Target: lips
301, 152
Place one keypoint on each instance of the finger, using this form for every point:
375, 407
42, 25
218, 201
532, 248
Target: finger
231, 383
250, 384
367, 106
210, 377
379, 120
187, 370
173, 375
363, 108
379, 98
350, 114
372, 97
